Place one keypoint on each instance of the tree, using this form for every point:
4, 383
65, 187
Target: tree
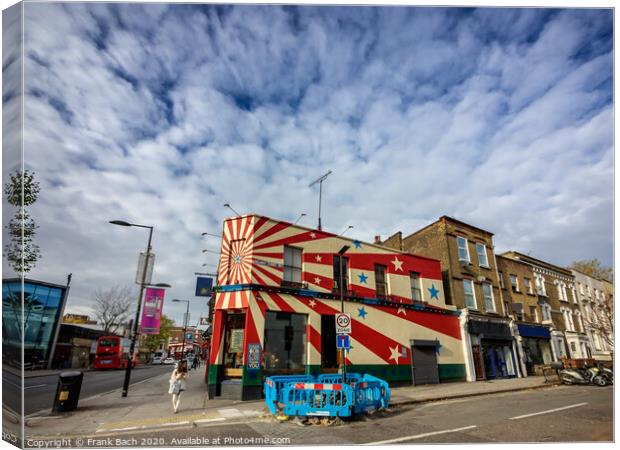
593, 268
21, 251
153, 341
112, 307
598, 320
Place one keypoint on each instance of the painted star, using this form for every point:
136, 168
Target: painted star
312, 303
357, 244
237, 259
313, 235
434, 291
398, 265
361, 312
402, 310
317, 280
363, 277
394, 353
318, 258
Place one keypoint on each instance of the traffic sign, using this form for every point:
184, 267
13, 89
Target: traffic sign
343, 323
343, 341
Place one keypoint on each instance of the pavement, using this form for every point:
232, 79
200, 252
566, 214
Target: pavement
148, 406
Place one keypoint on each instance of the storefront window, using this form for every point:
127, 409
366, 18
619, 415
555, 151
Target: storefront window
233, 343
285, 342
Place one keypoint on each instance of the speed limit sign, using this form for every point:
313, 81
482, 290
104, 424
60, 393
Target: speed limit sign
343, 323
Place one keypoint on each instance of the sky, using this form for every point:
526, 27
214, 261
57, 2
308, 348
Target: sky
159, 114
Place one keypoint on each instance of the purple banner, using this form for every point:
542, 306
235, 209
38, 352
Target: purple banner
151, 313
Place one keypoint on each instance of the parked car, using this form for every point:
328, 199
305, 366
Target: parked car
157, 360
169, 360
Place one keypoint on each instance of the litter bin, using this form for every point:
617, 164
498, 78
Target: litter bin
68, 391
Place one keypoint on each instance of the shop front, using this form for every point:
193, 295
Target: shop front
492, 349
536, 346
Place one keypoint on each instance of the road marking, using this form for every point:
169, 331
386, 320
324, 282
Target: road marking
230, 412
217, 419
35, 386
419, 436
548, 411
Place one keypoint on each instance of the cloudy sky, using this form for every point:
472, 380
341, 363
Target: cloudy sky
160, 114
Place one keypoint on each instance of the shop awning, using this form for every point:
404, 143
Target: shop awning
534, 331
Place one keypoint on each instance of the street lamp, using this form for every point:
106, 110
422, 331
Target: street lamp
209, 234
134, 331
343, 366
227, 205
299, 218
185, 320
346, 229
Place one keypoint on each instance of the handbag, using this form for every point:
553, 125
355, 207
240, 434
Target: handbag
175, 387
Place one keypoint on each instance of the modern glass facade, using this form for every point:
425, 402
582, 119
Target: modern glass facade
43, 304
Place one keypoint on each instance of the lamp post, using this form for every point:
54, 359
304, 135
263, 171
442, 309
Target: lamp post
346, 229
227, 205
134, 327
299, 218
185, 320
343, 366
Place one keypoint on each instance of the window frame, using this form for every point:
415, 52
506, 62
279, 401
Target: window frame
484, 296
293, 269
501, 279
384, 283
458, 249
473, 293
415, 277
515, 286
527, 284
486, 255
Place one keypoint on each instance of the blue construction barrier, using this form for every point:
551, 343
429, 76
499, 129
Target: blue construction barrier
273, 388
302, 395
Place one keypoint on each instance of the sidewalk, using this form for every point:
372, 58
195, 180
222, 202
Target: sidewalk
149, 406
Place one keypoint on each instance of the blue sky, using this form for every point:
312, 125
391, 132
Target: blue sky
160, 114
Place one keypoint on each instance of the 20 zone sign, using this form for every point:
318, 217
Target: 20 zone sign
343, 323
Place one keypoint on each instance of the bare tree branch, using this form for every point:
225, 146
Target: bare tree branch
112, 307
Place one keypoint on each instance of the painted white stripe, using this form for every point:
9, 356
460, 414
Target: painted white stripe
419, 436
35, 386
548, 411
230, 412
217, 419
172, 424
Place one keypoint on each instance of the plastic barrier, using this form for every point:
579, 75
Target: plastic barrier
318, 399
299, 395
273, 388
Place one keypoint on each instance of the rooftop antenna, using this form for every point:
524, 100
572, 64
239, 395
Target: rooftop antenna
320, 181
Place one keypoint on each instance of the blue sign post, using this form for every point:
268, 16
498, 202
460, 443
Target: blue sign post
343, 341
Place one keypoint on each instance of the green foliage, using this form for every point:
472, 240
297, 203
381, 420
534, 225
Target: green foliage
153, 341
593, 268
21, 251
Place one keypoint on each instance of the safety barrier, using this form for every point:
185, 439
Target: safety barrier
299, 395
273, 388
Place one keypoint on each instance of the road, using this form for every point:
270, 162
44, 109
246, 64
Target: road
562, 414
39, 391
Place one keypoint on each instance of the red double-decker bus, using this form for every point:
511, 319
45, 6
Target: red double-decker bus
112, 353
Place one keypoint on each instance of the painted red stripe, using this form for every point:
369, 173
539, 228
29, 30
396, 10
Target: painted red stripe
314, 337
258, 224
257, 276
324, 282
246, 227
444, 324
326, 258
269, 255
268, 274
302, 237
251, 333
218, 333
427, 268
271, 231
238, 228
285, 307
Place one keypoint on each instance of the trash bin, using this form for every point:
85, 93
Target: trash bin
68, 391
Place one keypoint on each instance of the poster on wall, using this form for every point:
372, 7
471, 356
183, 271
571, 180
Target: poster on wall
151, 313
253, 357
236, 340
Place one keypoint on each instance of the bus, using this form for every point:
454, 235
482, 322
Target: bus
112, 353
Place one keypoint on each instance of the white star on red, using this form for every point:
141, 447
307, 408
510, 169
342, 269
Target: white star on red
312, 303
318, 258
402, 310
317, 280
313, 235
394, 353
398, 265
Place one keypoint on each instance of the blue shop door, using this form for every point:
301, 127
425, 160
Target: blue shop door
501, 363
490, 364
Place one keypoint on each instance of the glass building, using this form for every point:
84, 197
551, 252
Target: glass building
43, 306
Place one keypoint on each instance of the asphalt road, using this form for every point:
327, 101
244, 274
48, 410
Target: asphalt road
562, 414
39, 391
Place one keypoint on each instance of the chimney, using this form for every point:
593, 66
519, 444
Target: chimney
377, 239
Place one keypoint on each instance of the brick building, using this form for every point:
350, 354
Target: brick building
532, 337
471, 281
555, 289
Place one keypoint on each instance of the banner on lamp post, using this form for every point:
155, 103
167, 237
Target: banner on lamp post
151, 313
204, 286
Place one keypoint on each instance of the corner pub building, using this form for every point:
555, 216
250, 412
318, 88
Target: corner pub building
277, 294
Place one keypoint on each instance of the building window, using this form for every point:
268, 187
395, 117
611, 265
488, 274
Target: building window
481, 250
345, 273
416, 292
546, 311
501, 280
470, 297
528, 285
487, 291
461, 242
534, 314
380, 281
581, 289
514, 282
285, 341
292, 265
540, 286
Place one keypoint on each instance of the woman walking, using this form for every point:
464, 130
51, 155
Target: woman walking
177, 383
